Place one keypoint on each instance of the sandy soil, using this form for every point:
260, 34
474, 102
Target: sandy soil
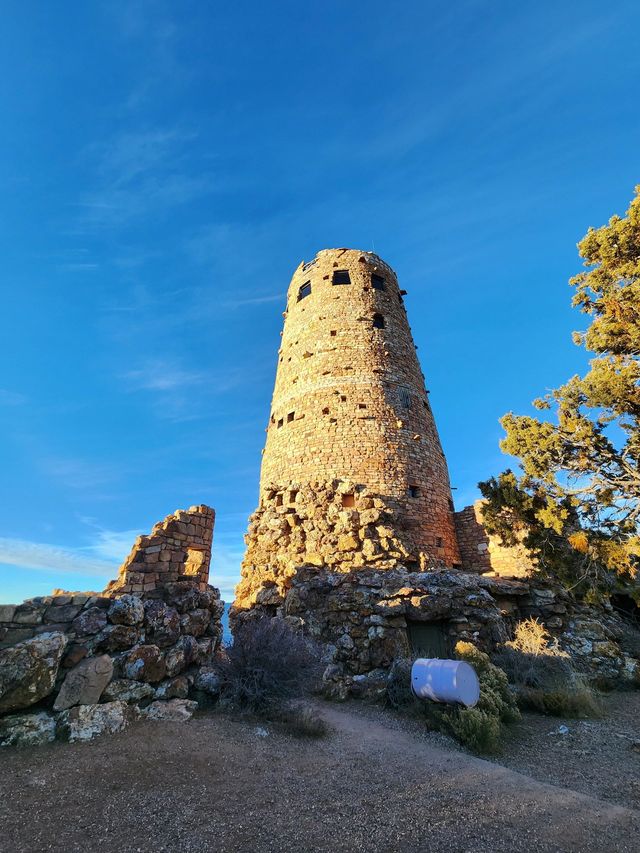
215, 784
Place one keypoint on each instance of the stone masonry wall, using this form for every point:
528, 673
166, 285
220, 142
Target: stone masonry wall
339, 524
74, 664
178, 547
364, 619
350, 403
483, 553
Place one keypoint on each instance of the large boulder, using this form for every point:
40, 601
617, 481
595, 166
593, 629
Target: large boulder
84, 683
117, 638
126, 610
162, 623
127, 690
27, 729
90, 621
144, 663
28, 670
85, 722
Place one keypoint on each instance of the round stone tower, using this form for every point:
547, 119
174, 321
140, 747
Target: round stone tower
353, 472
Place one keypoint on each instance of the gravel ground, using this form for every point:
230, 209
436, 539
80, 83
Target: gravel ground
215, 784
598, 757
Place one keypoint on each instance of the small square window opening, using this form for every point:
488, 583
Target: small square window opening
414, 492
305, 290
341, 277
377, 282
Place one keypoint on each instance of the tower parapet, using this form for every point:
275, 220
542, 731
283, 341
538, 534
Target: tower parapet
353, 471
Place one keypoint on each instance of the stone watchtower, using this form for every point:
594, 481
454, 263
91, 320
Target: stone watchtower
353, 472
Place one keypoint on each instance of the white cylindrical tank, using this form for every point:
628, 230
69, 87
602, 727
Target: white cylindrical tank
449, 681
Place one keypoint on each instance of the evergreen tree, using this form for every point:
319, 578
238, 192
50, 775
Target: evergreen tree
579, 494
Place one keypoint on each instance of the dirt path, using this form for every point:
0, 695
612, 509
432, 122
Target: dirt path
219, 785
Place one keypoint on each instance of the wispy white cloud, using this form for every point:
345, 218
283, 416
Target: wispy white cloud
181, 394
159, 375
141, 173
42, 556
77, 473
240, 302
11, 398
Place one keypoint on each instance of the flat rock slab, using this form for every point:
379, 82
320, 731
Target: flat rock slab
85, 722
84, 683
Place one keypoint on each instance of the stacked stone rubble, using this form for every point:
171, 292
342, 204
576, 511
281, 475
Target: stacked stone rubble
76, 664
338, 524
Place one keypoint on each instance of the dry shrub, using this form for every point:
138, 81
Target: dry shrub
543, 675
301, 721
268, 666
530, 637
400, 695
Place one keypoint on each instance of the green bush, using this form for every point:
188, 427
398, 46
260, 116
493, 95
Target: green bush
480, 728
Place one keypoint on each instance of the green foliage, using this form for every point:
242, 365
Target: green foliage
478, 730
579, 496
543, 675
481, 728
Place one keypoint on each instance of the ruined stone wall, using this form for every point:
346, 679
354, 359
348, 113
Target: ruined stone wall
481, 552
350, 406
365, 620
73, 664
178, 547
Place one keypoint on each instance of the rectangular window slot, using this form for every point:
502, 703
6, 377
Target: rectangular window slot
305, 290
333, 333
290, 417
348, 501
414, 492
341, 277
280, 422
439, 542
362, 405
377, 282
279, 500
378, 321
343, 399
293, 494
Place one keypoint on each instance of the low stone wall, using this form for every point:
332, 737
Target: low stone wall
75, 664
366, 619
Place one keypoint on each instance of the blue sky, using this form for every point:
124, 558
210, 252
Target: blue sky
165, 167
